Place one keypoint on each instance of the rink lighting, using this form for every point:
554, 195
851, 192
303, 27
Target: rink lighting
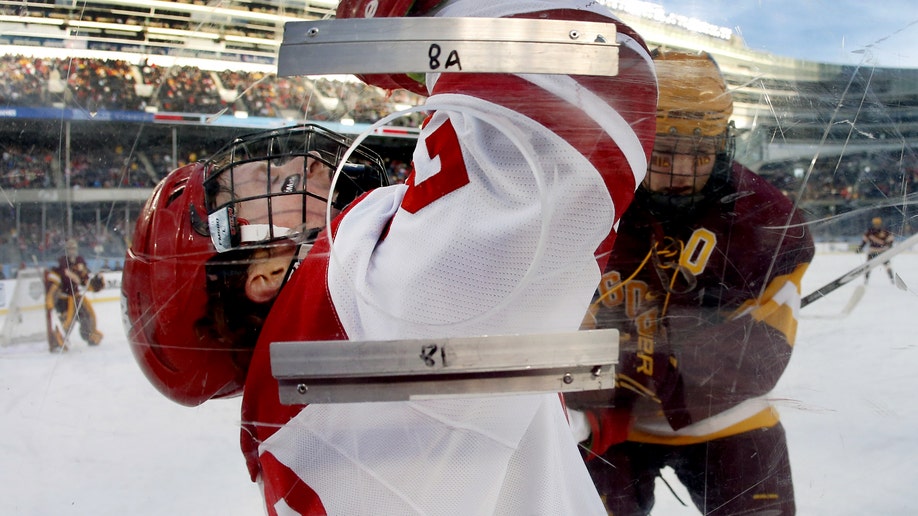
30, 19
252, 41
182, 33
104, 26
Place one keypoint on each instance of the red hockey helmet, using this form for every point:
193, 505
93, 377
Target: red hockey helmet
165, 297
163, 294
388, 9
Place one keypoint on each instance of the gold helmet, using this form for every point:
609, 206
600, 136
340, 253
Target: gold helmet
694, 105
71, 248
694, 100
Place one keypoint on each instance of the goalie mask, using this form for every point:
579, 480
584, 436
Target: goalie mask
167, 285
694, 145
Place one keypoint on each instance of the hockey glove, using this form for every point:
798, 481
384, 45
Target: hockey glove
649, 368
96, 283
608, 427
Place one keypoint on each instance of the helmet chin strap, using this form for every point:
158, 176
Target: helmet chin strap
309, 237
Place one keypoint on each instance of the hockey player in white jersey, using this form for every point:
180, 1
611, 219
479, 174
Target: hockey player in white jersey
517, 185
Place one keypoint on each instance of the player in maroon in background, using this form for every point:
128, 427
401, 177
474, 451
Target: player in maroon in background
65, 284
877, 239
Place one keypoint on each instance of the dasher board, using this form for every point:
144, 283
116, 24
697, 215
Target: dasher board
398, 370
455, 45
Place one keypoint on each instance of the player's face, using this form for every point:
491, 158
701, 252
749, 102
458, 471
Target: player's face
286, 182
680, 165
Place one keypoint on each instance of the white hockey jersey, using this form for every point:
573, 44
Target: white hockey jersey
518, 183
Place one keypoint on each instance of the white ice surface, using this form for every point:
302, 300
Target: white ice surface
84, 433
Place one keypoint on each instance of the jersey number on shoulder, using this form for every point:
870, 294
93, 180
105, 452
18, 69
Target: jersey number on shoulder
442, 143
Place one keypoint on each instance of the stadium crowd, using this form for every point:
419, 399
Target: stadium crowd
21, 248
96, 84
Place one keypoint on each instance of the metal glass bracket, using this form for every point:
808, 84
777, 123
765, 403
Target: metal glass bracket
397, 370
456, 45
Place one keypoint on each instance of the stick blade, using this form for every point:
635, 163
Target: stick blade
856, 297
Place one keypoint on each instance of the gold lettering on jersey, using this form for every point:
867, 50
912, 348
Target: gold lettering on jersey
646, 325
610, 290
698, 251
635, 292
612, 293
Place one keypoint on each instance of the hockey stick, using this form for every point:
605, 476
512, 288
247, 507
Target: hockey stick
853, 301
847, 277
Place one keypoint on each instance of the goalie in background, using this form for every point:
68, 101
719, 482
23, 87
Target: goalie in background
66, 284
877, 239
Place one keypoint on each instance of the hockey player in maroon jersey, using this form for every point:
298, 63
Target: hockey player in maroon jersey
517, 185
876, 240
65, 286
704, 284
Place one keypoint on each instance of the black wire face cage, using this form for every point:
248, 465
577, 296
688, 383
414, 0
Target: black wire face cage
671, 204
257, 187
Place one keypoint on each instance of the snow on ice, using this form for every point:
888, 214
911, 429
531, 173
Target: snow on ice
84, 433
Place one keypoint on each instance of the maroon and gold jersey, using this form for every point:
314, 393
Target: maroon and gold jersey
70, 275
878, 240
719, 286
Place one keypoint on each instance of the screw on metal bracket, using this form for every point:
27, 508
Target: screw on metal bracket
313, 32
301, 388
567, 378
574, 34
596, 371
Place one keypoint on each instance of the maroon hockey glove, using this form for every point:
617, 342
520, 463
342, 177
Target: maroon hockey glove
647, 367
96, 283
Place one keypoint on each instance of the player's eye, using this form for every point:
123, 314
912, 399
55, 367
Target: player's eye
703, 159
660, 160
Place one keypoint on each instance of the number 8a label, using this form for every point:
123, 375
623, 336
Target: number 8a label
434, 53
